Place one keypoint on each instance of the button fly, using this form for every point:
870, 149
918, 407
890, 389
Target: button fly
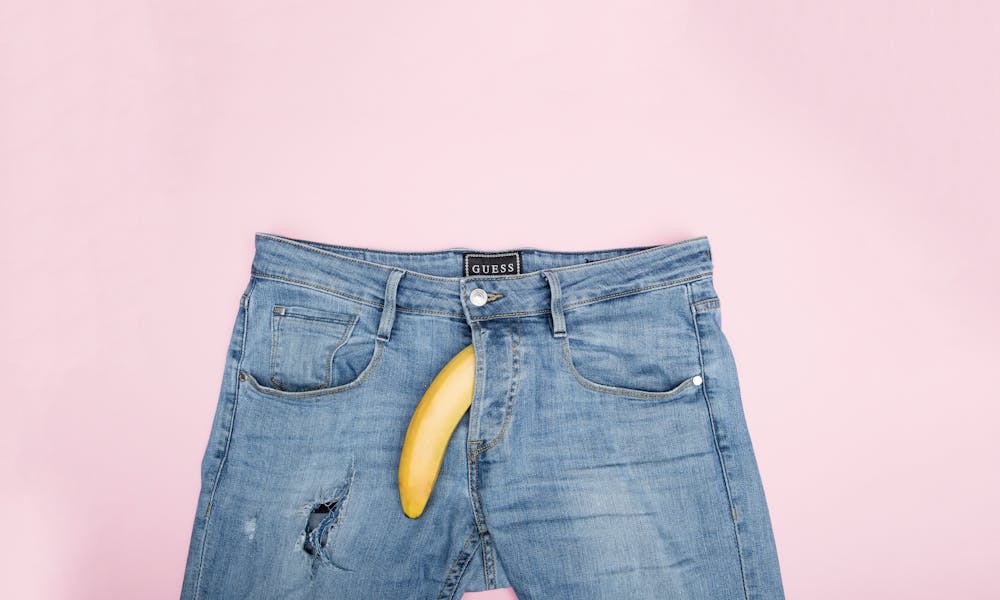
477, 297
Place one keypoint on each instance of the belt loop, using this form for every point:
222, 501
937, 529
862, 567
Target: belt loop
558, 321
389, 307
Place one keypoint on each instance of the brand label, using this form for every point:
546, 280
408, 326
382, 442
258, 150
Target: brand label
506, 263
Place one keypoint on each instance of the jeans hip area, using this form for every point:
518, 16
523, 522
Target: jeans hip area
602, 450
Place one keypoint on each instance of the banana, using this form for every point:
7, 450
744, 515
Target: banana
434, 420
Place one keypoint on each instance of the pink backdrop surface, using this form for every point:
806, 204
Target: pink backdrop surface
842, 159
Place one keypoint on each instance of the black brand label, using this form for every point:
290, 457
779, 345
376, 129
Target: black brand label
506, 263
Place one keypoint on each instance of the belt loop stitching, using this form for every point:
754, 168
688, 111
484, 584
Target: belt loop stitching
389, 307
558, 321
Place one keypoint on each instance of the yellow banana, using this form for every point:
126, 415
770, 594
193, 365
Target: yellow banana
433, 422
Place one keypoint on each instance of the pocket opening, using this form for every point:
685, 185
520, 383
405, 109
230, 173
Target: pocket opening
643, 345
313, 395
304, 344
694, 380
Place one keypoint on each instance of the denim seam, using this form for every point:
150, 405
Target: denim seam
454, 565
461, 573
477, 509
340, 342
718, 450
664, 284
290, 397
490, 578
477, 503
455, 251
275, 350
328, 362
705, 304
345, 296
619, 390
511, 395
245, 302
400, 308
595, 299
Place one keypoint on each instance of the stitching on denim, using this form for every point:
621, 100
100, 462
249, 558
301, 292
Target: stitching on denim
705, 301
618, 390
478, 378
705, 304
585, 301
629, 255
718, 450
511, 394
291, 397
345, 296
488, 568
340, 342
461, 573
671, 283
276, 350
305, 313
454, 565
472, 458
244, 302
641, 251
400, 308
316, 286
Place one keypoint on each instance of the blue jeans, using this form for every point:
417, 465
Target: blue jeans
605, 454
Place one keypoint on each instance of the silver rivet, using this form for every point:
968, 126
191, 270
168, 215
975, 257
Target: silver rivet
477, 297
696, 380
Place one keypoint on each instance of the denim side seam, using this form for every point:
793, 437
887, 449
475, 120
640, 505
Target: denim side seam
695, 310
245, 307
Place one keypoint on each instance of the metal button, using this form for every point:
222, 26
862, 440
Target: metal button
477, 296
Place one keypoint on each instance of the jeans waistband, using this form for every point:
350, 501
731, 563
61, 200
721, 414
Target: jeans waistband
433, 282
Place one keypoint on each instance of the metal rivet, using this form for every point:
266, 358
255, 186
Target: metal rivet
696, 380
478, 297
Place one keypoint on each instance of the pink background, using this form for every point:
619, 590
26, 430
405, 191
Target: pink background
843, 161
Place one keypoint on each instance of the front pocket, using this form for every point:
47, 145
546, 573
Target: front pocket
643, 344
304, 345
314, 397
617, 390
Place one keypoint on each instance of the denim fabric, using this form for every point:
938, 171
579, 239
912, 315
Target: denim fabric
605, 454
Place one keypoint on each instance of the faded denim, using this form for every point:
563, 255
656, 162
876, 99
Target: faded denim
605, 454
